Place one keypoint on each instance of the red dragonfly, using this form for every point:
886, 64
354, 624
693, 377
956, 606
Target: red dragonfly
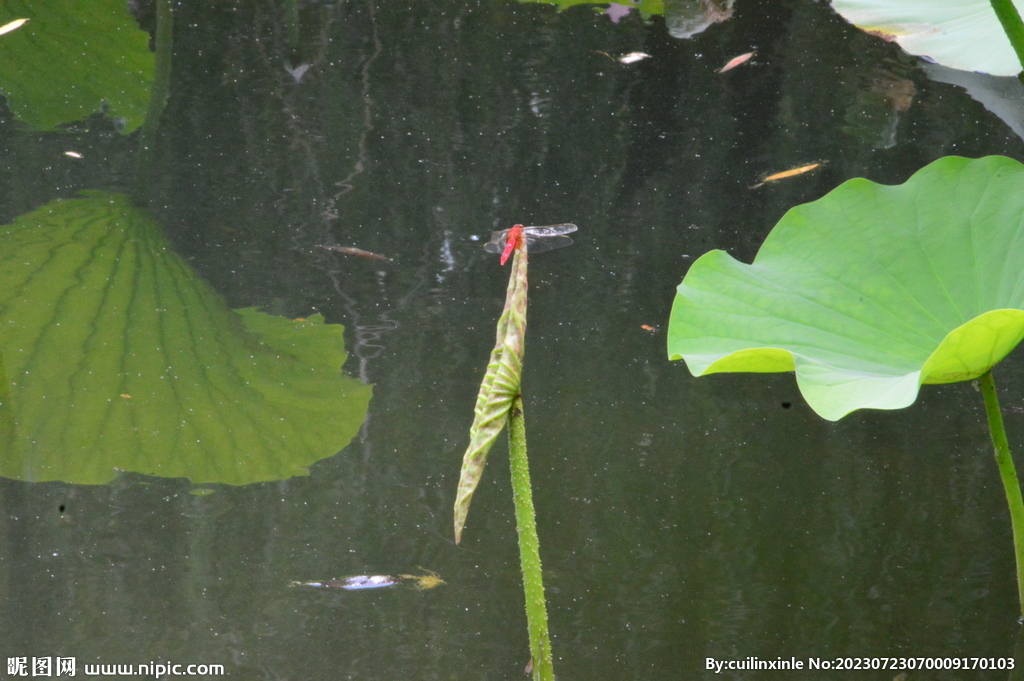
536, 239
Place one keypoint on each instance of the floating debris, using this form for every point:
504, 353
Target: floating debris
630, 58
12, 25
352, 250
687, 19
786, 173
430, 580
617, 10
297, 72
736, 61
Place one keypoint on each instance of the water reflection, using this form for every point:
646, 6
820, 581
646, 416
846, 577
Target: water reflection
679, 518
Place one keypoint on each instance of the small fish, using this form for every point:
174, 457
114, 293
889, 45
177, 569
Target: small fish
630, 58
633, 57
353, 583
648, 328
735, 61
786, 173
12, 25
351, 250
72, 154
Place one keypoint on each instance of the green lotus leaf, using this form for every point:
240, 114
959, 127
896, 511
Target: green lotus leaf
73, 59
117, 357
960, 34
870, 291
498, 390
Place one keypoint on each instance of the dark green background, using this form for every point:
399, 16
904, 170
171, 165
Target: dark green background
680, 518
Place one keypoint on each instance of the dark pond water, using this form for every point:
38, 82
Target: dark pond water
680, 518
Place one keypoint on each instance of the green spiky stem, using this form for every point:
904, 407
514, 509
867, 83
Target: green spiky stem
529, 548
1013, 27
1008, 473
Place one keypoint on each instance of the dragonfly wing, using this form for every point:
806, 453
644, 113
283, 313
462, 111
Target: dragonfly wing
497, 242
538, 239
549, 243
550, 230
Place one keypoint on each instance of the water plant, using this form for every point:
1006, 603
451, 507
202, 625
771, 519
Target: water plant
499, 403
112, 69
118, 357
984, 36
872, 291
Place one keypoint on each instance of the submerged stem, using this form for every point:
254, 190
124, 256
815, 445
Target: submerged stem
529, 548
157, 100
1008, 473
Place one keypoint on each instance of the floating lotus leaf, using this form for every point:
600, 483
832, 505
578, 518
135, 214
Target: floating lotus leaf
871, 291
72, 59
117, 357
960, 34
